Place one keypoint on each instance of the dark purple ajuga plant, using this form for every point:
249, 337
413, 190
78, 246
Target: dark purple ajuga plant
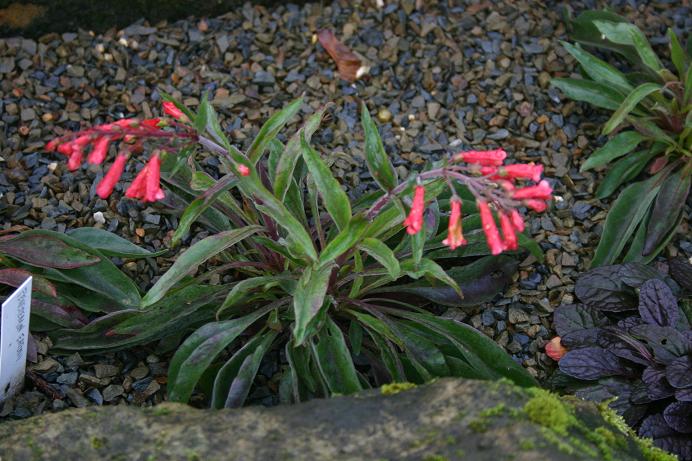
631, 341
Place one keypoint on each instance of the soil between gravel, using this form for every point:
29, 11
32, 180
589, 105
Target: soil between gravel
448, 76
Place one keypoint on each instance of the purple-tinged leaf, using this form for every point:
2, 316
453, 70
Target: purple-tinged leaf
581, 338
657, 305
15, 277
684, 395
678, 415
628, 323
666, 343
46, 251
657, 386
655, 427
681, 271
576, 317
666, 210
591, 363
679, 372
627, 352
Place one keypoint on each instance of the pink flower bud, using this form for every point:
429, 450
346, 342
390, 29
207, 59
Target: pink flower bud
99, 151
455, 238
536, 205
554, 349
153, 190
492, 235
542, 191
243, 170
522, 171
138, 186
151, 122
517, 221
170, 109
414, 221
488, 157
107, 184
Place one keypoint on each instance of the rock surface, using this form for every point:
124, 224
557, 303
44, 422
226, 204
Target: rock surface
448, 419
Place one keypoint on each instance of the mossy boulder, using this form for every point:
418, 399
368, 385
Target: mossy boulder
448, 419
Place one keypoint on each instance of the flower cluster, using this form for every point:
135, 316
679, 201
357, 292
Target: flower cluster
129, 134
493, 184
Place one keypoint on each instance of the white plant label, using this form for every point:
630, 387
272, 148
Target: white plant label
14, 335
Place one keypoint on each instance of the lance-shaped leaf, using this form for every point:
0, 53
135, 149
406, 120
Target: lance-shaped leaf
111, 244
193, 257
677, 54
598, 94
627, 34
335, 199
243, 288
308, 299
598, 69
247, 370
618, 146
630, 102
271, 128
379, 165
585, 31
43, 249
292, 153
344, 240
334, 360
670, 203
382, 254
625, 169
624, 217
15, 277
228, 372
200, 349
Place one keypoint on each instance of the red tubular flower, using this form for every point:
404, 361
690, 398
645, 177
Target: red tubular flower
138, 186
151, 122
508, 233
492, 235
522, 171
243, 170
517, 221
455, 238
153, 185
536, 205
105, 187
414, 221
542, 191
487, 158
554, 349
488, 170
99, 151
172, 110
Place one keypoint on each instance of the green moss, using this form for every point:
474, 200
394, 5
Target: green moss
652, 453
161, 411
395, 388
482, 421
435, 458
548, 410
97, 442
551, 437
527, 445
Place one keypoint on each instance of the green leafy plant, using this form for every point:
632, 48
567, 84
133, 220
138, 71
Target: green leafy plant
651, 125
339, 286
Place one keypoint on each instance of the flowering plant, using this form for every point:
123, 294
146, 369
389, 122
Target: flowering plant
306, 270
651, 130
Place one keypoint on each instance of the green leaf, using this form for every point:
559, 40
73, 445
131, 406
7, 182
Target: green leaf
382, 254
292, 153
200, 120
629, 34
379, 165
334, 360
670, 203
271, 128
597, 94
630, 102
240, 387
194, 256
243, 288
308, 299
469, 341
199, 350
299, 358
531, 246
47, 250
597, 69
355, 337
585, 32
111, 244
616, 147
228, 372
344, 240
335, 199
428, 267
624, 216
677, 54
626, 169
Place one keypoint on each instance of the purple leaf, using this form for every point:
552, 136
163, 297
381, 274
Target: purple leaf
574, 317
657, 305
667, 343
679, 372
657, 386
655, 427
681, 271
629, 322
684, 395
581, 338
591, 363
46, 251
678, 415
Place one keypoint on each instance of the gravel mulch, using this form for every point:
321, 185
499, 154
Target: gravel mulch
452, 75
